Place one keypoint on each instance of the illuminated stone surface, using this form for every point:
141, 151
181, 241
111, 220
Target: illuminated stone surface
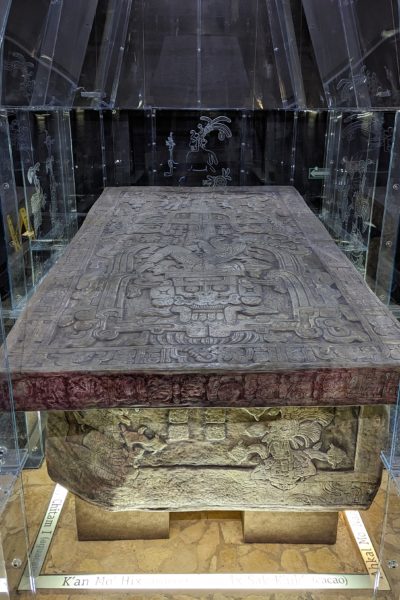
179, 299
202, 459
193, 297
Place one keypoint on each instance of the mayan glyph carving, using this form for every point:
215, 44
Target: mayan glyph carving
289, 446
202, 458
38, 199
22, 70
161, 286
172, 164
199, 157
209, 276
54, 185
218, 180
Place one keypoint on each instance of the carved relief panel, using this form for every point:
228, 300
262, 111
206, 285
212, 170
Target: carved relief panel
163, 288
202, 280
280, 457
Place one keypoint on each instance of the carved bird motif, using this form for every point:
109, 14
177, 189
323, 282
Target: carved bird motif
221, 250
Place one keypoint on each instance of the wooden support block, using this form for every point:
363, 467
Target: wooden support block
95, 523
275, 527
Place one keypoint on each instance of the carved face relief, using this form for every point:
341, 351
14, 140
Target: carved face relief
206, 294
250, 293
206, 299
214, 278
163, 295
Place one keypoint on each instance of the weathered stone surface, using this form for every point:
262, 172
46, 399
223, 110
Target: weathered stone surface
277, 458
94, 523
187, 297
290, 527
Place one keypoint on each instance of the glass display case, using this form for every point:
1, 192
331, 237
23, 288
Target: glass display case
38, 202
210, 95
356, 48
20, 444
135, 54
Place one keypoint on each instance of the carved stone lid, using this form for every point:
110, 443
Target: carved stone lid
192, 282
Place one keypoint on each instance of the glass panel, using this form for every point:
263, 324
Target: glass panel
195, 149
76, 22
357, 49
309, 173
87, 158
142, 136
129, 153
204, 43
111, 53
256, 142
4, 12
378, 29
313, 89
227, 45
285, 52
353, 148
14, 542
137, 53
389, 533
14, 244
170, 48
360, 203
13, 535
12, 458
130, 90
49, 187
5, 6
22, 41
44, 51
387, 272
37, 195
279, 132
390, 528
46, 55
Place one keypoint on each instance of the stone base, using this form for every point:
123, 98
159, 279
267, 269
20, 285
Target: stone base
94, 523
290, 527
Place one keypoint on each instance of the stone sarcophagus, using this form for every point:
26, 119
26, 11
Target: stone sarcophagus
208, 349
178, 459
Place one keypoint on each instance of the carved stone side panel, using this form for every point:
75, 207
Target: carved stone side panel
194, 459
308, 387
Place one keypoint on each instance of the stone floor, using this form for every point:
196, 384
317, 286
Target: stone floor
202, 543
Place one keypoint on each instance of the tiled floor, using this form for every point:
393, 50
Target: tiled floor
200, 543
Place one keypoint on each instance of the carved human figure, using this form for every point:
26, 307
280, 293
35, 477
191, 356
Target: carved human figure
201, 158
38, 199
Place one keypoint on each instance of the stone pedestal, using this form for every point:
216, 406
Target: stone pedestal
95, 523
290, 527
